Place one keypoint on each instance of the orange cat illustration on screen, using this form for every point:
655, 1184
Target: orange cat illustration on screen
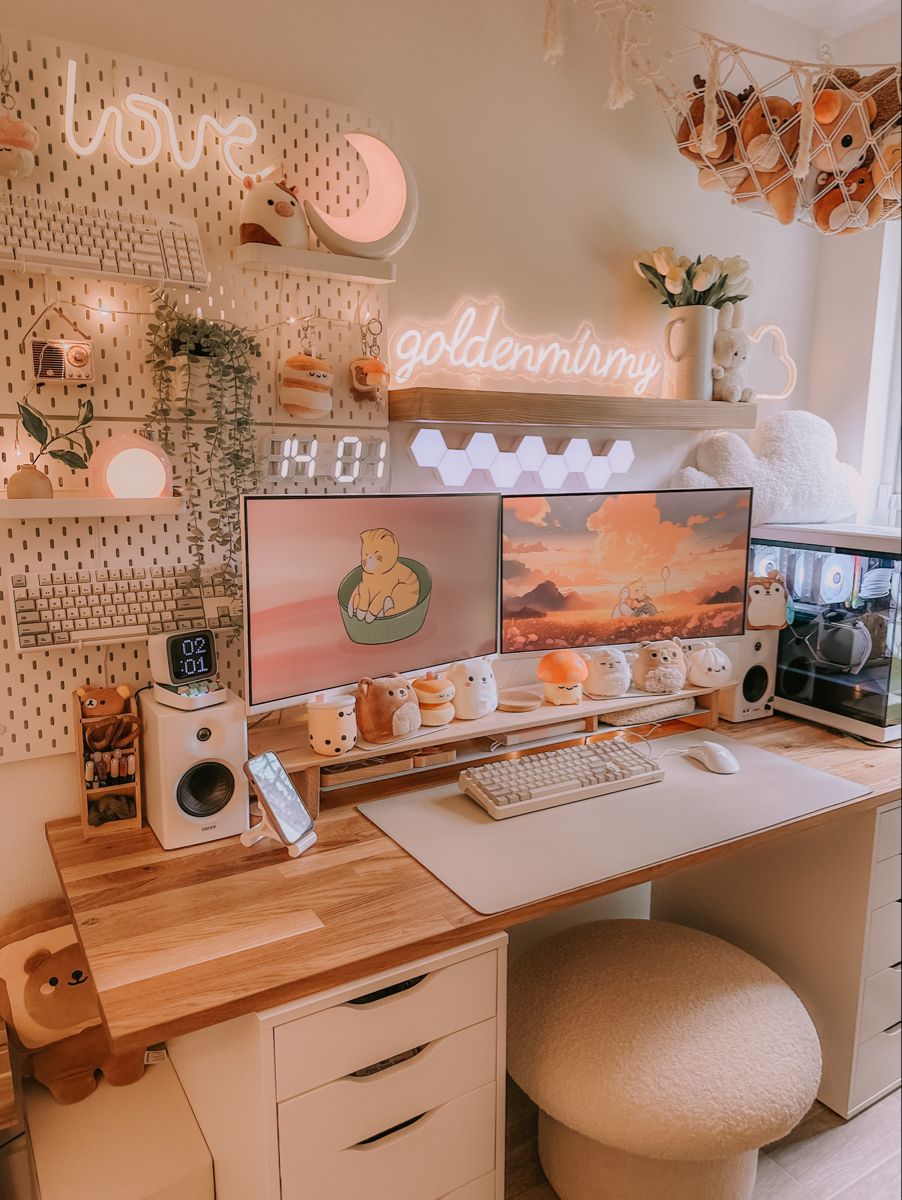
388, 586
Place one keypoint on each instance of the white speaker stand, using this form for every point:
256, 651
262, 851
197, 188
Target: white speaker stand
265, 829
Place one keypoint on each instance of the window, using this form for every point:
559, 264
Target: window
882, 457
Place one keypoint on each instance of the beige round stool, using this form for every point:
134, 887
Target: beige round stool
661, 1059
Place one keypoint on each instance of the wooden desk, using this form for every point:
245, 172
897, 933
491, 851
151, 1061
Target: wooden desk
183, 939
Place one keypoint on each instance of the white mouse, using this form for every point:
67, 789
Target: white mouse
714, 757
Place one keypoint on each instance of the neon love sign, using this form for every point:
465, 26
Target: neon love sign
477, 341
156, 117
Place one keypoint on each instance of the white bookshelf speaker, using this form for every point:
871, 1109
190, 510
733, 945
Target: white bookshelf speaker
195, 789
754, 658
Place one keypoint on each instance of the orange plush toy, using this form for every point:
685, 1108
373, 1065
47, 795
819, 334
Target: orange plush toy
689, 134
48, 1000
766, 143
842, 129
118, 729
848, 204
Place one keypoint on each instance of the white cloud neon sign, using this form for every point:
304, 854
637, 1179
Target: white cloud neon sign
156, 117
476, 341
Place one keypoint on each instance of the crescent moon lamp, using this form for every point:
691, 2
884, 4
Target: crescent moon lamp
385, 220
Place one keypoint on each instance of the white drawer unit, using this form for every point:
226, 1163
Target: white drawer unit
390, 1088
822, 908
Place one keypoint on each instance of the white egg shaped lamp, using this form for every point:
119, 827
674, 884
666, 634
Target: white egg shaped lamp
385, 220
130, 467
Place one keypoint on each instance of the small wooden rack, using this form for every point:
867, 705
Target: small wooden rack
473, 741
435, 405
131, 790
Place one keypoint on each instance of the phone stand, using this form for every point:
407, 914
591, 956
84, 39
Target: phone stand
265, 829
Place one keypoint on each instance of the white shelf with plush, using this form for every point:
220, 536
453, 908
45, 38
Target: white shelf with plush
256, 256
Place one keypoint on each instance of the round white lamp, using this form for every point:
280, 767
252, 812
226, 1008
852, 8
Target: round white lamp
130, 467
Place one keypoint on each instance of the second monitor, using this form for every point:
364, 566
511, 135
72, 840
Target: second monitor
602, 570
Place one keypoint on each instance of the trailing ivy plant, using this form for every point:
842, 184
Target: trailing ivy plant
71, 446
215, 386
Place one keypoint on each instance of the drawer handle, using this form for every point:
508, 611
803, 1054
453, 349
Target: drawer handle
392, 990
379, 1137
386, 1064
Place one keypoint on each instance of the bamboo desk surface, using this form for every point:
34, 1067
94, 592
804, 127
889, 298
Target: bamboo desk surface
181, 939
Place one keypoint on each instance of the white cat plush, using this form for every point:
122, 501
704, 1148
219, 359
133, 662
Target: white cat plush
708, 666
476, 690
609, 674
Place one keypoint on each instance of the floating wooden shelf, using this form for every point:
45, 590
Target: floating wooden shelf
469, 407
78, 504
255, 256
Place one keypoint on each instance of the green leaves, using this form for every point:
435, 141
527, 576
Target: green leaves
70, 458
33, 424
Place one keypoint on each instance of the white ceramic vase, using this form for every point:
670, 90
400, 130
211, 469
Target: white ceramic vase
689, 352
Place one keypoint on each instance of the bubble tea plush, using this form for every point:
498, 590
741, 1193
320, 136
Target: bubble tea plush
331, 725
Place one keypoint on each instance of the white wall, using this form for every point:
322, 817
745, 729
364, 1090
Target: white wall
530, 189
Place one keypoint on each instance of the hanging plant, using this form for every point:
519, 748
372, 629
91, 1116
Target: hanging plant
203, 380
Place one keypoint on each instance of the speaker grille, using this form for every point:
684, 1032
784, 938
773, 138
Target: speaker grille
205, 789
755, 684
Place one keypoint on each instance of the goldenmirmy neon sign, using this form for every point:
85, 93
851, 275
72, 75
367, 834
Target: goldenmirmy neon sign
477, 342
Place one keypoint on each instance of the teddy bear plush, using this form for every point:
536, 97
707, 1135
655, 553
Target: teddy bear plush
47, 998
842, 128
660, 667
847, 205
767, 140
387, 709
118, 728
887, 166
690, 131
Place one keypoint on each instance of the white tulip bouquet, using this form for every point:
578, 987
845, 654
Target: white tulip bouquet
682, 281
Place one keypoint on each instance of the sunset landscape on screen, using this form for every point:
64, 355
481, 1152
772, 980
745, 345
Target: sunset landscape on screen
590, 570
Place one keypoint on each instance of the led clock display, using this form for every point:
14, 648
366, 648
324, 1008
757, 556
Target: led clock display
191, 656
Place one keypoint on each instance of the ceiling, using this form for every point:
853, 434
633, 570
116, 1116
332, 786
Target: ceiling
833, 18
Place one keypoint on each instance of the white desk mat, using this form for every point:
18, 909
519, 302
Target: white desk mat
497, 865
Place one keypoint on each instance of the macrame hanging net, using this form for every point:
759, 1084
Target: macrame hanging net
799, 141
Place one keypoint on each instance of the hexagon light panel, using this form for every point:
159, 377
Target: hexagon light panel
530, 455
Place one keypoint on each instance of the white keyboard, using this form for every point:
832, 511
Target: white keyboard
70, 608
521, 785
66, 238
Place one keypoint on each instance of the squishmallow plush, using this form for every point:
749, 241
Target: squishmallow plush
562, 672
436, 695
609, 674
18, 142
846, 205
708, 666
887, 166
305, 386
475, 689
690, 132
271, 214
842, 129
47, 998
766, 605
387, 709
660, 667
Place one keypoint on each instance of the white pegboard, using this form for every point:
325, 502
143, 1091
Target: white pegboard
305, 135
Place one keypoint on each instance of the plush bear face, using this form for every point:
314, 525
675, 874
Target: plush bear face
387, 709
769, 133
848, 204
59, 993
842, 129
659, 654
691, 128
103, 702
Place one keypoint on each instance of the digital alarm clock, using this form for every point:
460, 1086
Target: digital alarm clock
183, 669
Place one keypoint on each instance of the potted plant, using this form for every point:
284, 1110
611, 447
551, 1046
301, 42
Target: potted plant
694, 289
204, 382
71, 446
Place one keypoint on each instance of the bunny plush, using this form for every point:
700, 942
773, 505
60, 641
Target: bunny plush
731, 349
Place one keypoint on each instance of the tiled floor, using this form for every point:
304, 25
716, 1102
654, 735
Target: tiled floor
824, 1158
